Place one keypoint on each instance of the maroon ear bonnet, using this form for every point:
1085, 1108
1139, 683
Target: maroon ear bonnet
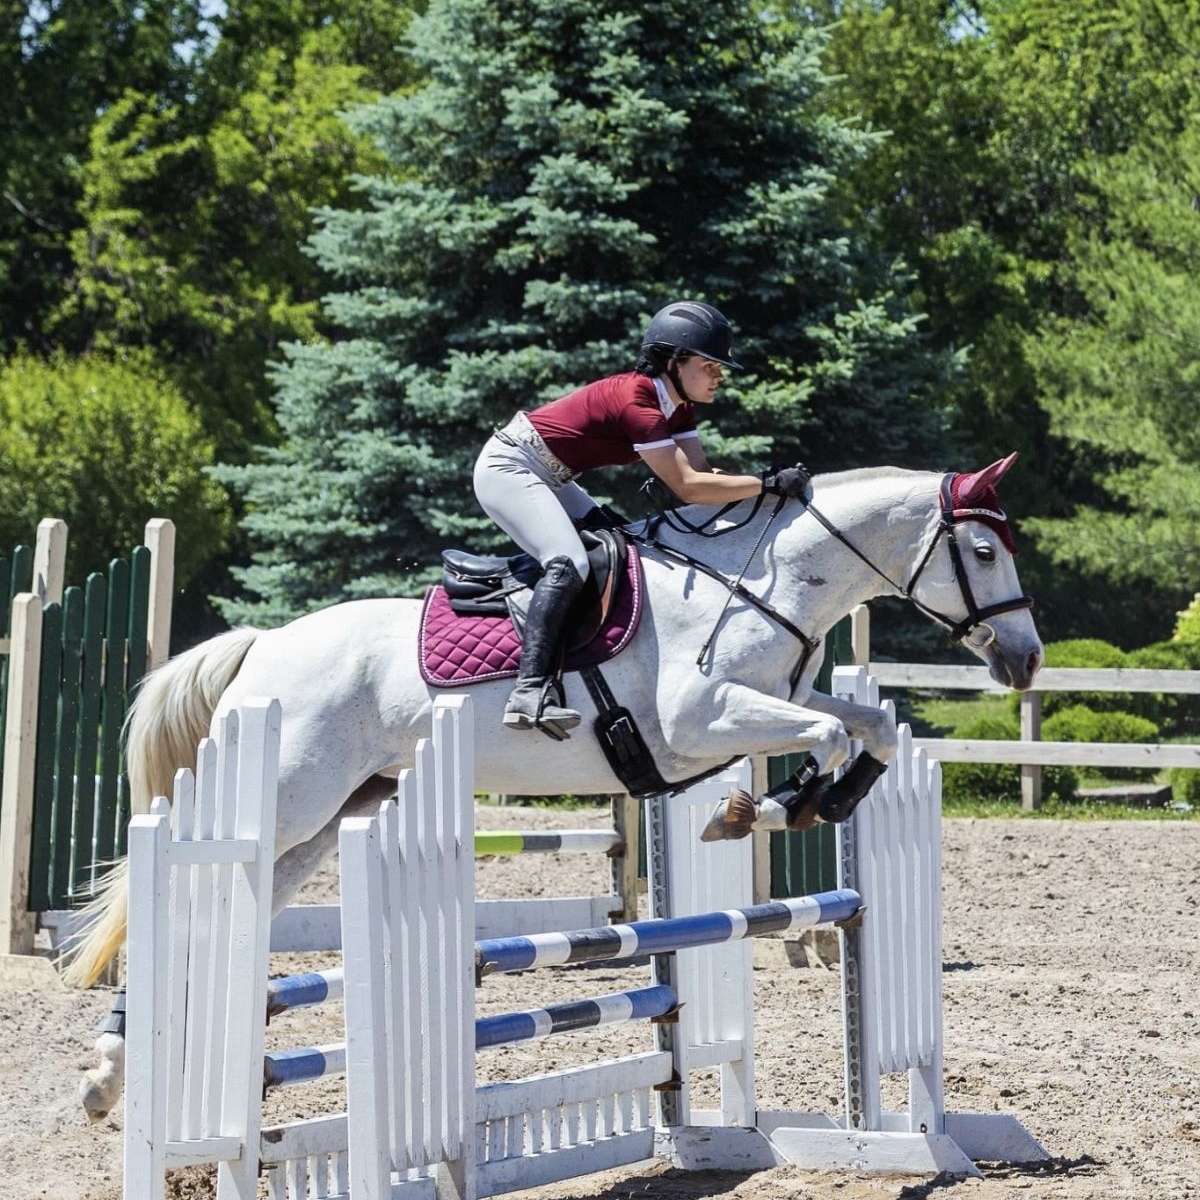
973, 496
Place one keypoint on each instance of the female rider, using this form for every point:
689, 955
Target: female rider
524, 477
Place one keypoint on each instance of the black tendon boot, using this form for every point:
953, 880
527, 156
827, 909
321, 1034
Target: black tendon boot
833, 800
536, 700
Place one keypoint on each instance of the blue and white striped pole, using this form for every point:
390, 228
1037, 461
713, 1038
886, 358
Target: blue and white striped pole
283, 1068
636, 1005
606, 942
300, 991
664, 934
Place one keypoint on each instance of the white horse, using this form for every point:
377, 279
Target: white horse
355, 705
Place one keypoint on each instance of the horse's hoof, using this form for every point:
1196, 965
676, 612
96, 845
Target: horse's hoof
733, 818
96, 1096
100, 1088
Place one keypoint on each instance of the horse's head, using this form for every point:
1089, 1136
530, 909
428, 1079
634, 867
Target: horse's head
967, 578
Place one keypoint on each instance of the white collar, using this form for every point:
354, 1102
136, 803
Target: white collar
665, 403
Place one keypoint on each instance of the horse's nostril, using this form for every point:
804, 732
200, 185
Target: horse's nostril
1031, 663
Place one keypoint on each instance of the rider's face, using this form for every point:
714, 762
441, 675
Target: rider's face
700, 378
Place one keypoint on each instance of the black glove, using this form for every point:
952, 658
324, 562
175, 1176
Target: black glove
793, 482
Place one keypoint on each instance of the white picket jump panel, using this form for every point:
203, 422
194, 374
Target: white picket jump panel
202, 909
898, 830
408, 944
716, 1024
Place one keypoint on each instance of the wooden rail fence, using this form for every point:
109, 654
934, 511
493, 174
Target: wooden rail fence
1030, 753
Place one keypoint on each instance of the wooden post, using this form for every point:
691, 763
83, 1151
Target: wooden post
17, 924
160, 541
625, 864
860, 635
1031, 731
49, 560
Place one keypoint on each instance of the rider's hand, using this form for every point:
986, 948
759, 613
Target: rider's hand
793, 482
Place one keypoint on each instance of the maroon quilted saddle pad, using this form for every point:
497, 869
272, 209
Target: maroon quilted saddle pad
456, 650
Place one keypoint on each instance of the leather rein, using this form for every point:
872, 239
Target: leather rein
976, 617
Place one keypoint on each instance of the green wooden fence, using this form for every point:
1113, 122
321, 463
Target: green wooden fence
93, 656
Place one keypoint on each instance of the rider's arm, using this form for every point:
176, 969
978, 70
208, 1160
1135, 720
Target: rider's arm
693, 450
671, 465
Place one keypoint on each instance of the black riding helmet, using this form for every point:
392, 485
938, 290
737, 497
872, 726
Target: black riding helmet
692, 327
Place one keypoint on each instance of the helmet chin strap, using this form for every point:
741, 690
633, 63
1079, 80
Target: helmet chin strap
676, 381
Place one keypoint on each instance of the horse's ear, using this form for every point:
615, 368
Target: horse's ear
973, 487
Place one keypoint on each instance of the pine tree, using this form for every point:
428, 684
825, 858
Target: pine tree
569, 167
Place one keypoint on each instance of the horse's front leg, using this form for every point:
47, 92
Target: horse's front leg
811, 794
733, 719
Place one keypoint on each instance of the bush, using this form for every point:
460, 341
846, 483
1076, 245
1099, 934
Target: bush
1081, 652
1084, 652
1091, 653
998, 781
1185, 786
1187, 626
1082, 724
1176, 715
105, 446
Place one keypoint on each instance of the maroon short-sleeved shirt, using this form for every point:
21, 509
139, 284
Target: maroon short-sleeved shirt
608, 422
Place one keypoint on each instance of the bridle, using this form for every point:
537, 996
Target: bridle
963, 630
976, 617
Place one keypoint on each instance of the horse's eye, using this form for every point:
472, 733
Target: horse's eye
984, 552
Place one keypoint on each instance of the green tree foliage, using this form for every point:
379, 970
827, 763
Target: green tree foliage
193, 214
106, 446
1120, 379
1187, 623
1015, 127
65, 61
568, 168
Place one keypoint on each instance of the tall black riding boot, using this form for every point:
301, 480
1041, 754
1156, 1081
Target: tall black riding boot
536, 699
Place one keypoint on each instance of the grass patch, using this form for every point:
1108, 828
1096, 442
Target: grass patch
932, 716
559, 803
1075, 810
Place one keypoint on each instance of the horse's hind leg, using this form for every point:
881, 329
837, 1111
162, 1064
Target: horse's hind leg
295, 867
100, 1088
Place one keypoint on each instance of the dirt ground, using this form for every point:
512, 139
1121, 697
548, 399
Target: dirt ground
1072, 989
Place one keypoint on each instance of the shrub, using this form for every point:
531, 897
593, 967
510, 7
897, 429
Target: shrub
1079, 723
998, 781
1176, 715
105, 445
1187, 626
1082, 724
1081, 652
1185, 786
